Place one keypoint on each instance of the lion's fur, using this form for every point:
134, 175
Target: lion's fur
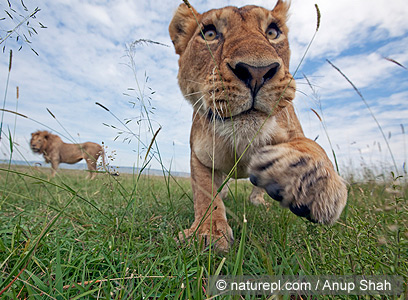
55, 151
241, 92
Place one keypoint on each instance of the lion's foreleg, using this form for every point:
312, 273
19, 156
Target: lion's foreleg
91, 163
210, 222
54, 167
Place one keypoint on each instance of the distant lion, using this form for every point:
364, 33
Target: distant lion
234, 70
55, 151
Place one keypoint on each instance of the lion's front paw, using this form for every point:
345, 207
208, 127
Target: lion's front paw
217, 233
309, 187
257, 197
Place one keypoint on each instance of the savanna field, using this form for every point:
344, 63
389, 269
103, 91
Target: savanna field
113, 237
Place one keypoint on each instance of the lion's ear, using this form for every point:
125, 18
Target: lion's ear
46, 136
182, 27
281, 10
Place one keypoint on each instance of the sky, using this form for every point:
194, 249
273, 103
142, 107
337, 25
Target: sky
85, 55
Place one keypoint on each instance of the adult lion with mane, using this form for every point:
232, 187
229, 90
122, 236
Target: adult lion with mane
55, 151
234, 70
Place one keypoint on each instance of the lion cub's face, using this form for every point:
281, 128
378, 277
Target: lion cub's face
38, 141
235, 62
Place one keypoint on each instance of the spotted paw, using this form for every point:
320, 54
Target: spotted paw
306, 183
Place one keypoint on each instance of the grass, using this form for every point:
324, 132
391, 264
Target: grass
113, 238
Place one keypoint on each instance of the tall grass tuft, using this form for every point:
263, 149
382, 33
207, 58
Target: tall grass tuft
371, 113
5, 93
321, 119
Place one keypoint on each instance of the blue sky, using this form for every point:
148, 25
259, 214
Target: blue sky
82, 60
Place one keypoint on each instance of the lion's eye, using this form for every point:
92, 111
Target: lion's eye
210, 33
273, 32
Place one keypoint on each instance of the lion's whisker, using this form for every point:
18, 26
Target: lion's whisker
193, 81
199, 100
191, 94
196, 111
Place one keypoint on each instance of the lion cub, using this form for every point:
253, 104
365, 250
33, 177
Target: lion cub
234, 70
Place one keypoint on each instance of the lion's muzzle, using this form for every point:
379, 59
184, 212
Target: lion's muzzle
254, 77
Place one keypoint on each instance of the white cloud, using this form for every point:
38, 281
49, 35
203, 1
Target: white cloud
347, 23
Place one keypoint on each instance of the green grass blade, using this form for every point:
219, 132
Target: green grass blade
38, 282
58, 273
241, 249
82, 296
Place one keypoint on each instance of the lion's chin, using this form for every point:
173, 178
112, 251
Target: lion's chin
35, 150
251, 113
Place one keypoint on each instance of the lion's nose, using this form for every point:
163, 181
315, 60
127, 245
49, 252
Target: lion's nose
255, 77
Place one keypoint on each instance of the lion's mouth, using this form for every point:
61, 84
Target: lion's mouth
35, 149
216, 117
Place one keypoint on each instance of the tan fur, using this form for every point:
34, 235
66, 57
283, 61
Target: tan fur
55, 151
242, 93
